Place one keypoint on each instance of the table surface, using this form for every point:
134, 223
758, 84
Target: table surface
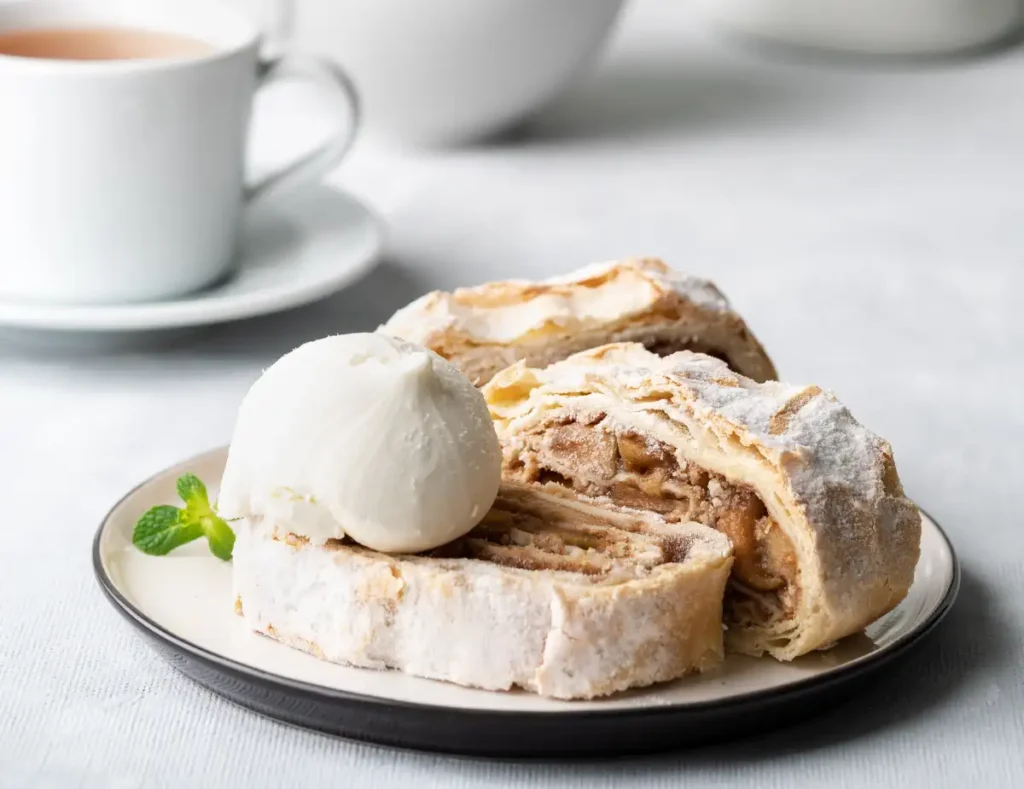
866, 219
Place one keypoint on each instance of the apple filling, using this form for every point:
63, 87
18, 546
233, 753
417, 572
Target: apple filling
640, 473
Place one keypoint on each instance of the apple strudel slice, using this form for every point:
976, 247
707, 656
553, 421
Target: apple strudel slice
549, 594
487, 328
824, 539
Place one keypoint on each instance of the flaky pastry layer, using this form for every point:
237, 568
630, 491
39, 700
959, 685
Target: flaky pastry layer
486, 328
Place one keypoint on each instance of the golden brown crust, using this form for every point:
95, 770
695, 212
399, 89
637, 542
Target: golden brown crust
489, 327
826, 482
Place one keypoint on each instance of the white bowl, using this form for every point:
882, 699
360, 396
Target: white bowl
886, 27
448, 71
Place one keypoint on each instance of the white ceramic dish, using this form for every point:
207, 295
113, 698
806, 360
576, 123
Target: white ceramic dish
873, 27
449, 71
294, 250
183, 603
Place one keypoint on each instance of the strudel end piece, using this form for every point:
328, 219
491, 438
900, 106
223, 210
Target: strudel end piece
487, 328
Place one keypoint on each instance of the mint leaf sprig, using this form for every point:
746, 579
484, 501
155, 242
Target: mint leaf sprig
163, 528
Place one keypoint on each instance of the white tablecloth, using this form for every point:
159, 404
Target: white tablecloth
869, 222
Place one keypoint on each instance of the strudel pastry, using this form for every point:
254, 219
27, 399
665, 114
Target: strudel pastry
824, 539
547, 593
487, 328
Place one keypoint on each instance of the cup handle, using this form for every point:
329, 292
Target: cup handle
336, 84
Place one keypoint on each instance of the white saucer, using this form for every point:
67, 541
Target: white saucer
294, 250
182, 604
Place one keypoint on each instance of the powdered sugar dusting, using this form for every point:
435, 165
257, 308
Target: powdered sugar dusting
695, 289
821, 445
595, 295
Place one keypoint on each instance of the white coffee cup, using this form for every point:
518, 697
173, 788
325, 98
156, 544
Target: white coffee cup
124, 180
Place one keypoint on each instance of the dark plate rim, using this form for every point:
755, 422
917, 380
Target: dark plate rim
836, 676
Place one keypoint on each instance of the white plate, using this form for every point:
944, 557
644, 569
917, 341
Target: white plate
294, 249
183, 602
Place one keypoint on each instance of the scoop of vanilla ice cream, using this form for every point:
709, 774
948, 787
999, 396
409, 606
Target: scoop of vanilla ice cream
364, 435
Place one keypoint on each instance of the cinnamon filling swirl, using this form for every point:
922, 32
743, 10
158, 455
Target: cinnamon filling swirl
520, 531
533, 532
640, 473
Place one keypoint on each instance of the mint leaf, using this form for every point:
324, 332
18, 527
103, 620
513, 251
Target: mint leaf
219, 537
160, 530
192, 490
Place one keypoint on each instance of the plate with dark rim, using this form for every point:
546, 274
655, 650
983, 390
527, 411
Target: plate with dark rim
182, 605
